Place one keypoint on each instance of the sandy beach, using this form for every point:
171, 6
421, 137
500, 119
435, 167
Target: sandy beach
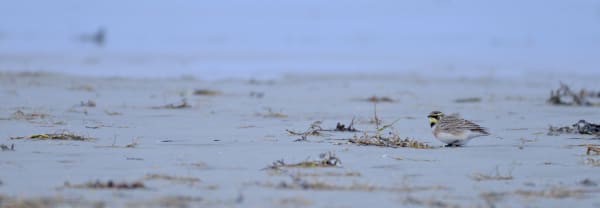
188, 142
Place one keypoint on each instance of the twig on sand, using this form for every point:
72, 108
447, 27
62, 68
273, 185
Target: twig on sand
591, 149
315, 129
495, 177
328, 159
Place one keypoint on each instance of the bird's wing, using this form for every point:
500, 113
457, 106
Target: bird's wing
454, 122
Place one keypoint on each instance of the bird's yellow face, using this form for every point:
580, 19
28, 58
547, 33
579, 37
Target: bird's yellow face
434, 117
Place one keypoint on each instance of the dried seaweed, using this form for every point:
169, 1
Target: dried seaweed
57, 136
431, 202
413, 159
20, 115
170, 201
296, 201
327, 159
375, 99
5, 147
206, 92
182, 179
581, 127
183, 104
485, 177
112, 113
57, 201
85, 87
299, 183
566, 97
107, 185
556, 192
271, 114
468, 100
393, 141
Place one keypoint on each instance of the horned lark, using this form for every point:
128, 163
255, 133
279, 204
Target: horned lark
454, 130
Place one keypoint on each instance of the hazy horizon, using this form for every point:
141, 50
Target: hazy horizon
266, 38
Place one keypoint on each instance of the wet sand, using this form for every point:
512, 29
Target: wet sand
214, 150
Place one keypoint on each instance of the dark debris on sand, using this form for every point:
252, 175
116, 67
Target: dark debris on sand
581, 127
183, 104
107, 185
89, 103
5, 147
565, 96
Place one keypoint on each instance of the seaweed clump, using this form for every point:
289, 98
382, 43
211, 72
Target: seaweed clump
581, 127
393, 140
565, 96
56, 136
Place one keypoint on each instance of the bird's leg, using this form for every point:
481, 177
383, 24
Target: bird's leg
453, 144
